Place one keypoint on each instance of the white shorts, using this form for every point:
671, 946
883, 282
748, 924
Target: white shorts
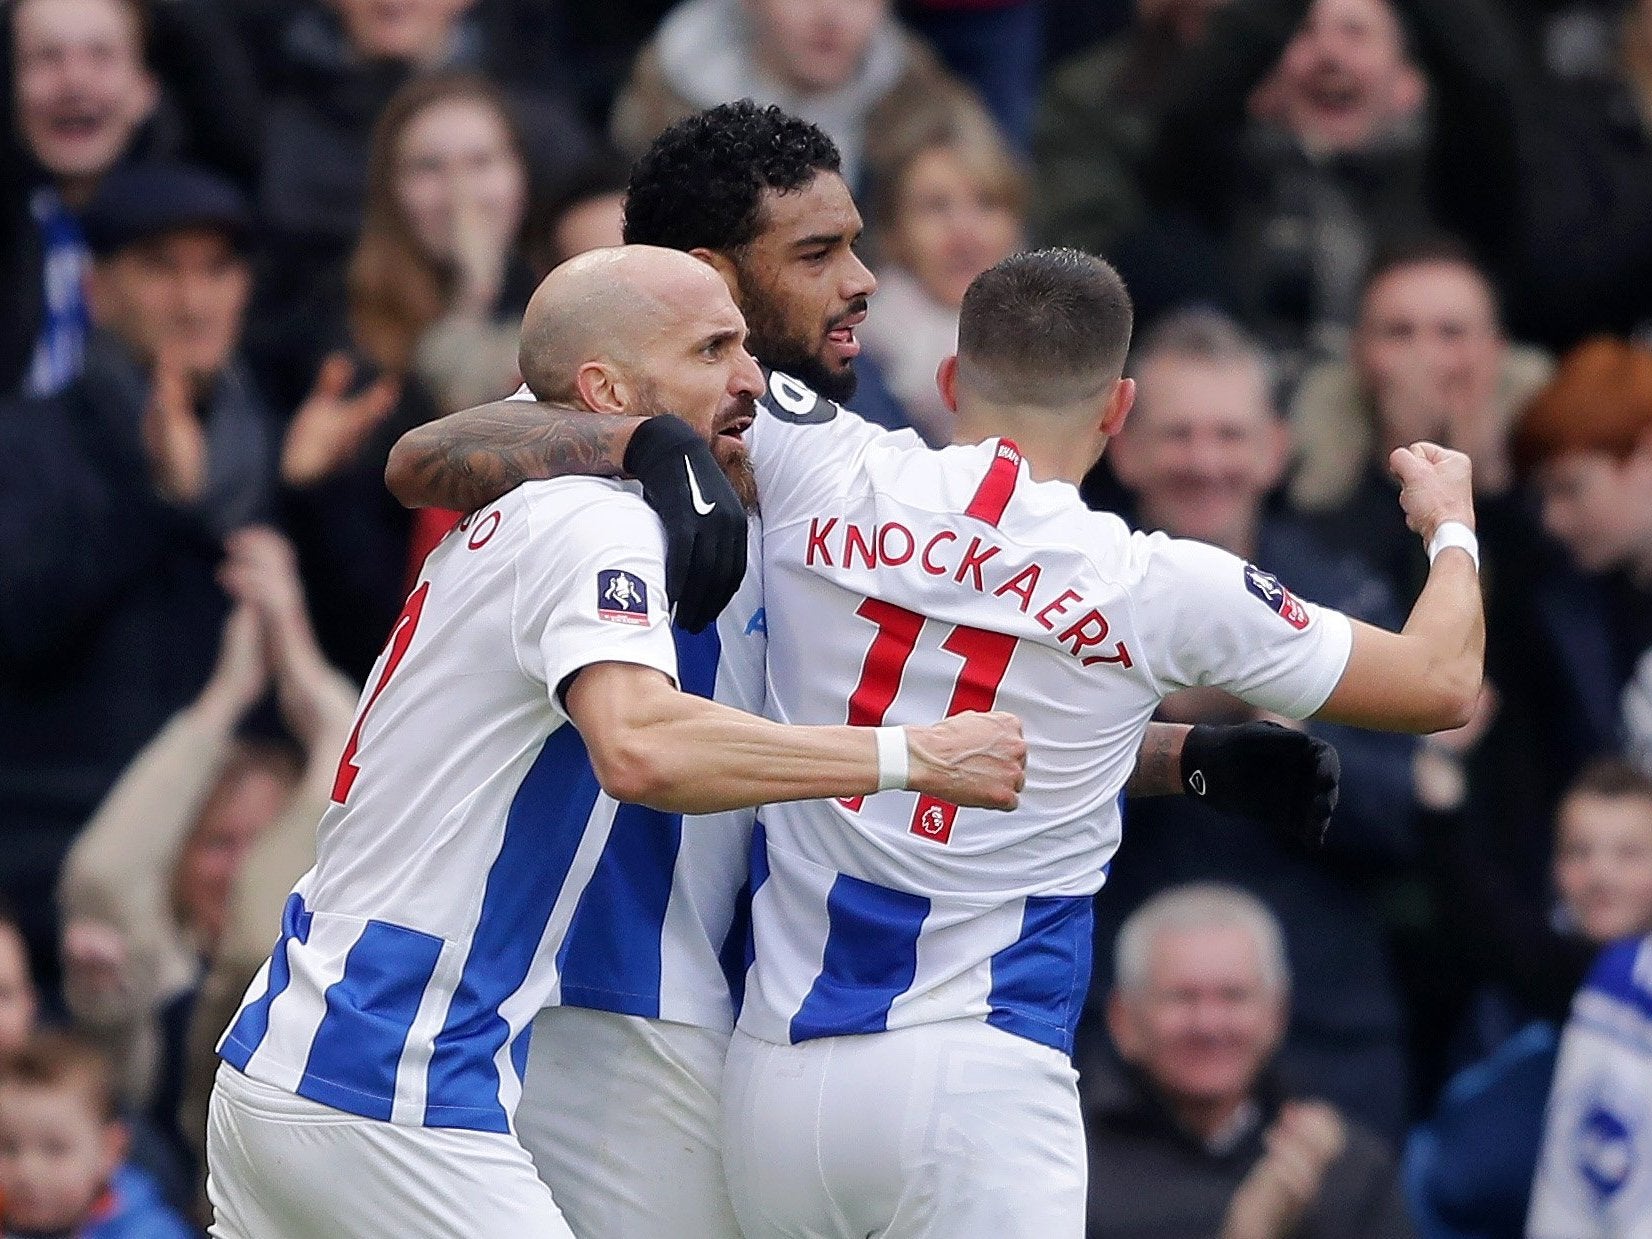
283, 1167
954, 1130
621, 1116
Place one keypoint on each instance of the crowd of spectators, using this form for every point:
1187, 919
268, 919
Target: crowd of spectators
244, 244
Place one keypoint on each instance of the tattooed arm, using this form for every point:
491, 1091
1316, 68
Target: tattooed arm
471, 458
1158, 769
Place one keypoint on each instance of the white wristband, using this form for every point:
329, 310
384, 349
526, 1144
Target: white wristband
893, 769
1455, 533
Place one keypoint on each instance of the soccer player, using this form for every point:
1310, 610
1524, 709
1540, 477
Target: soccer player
651, 983
974, 576
369, 1080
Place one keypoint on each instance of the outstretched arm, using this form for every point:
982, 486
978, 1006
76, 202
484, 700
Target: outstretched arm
653, 745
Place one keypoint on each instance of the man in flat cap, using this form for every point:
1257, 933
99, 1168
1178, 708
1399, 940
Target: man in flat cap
115, 497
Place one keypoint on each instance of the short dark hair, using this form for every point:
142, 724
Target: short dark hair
701, 184
1611, 778
1430, 248
1046, 327
59, 1059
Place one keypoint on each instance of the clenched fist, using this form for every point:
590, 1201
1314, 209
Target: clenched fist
1436, 485
969, 759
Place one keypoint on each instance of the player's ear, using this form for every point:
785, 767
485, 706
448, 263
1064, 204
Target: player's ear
946, 381
723, 266
602, 388
1119, 403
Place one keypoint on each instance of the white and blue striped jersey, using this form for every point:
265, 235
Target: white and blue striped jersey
466, 820
661, 929
902, 585
1594, 1177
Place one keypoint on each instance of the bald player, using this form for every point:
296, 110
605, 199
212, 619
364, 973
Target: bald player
369, 1082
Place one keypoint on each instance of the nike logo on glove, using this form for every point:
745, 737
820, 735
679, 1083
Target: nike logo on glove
695, 497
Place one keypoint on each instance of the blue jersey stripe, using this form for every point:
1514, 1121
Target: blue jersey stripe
369, 1012
254, 1021
611, 957
739, 951
610, 960
1039, 980
547, 820
870, 960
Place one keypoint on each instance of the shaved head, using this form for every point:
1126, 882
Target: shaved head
607, 305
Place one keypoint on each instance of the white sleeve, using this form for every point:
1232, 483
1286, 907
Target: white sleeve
804, 447
590, 588
1206, 618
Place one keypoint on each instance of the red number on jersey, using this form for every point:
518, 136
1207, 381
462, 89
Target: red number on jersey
986, 657
401, 636
880, 674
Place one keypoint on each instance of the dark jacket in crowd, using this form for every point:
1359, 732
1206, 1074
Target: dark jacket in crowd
1287, 234
1345, 1041
109, 612
1150, 1179
208, 114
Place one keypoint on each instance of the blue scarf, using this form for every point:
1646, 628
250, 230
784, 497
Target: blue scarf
62, 344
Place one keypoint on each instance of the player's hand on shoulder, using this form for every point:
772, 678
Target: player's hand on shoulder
1436, 485
1278, 776
704, 520
974, 759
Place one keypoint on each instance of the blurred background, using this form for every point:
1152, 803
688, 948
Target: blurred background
244, 244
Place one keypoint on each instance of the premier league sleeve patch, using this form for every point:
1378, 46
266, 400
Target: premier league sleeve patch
621, 597
1266, 586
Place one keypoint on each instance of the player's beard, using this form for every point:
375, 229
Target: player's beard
735, 462
776, 345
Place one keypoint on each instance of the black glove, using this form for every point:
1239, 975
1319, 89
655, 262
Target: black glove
1285, 779
705, 523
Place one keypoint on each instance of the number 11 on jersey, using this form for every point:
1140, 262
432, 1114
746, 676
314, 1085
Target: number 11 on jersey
986, 657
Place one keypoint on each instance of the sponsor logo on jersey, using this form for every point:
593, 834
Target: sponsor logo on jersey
621, 597
1266, 586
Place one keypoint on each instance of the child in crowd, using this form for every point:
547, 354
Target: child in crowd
62, 1149
1469, 1168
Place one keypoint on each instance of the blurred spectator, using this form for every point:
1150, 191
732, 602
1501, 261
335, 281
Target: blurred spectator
115, 496
76, 98
437, 284
339, 66
63, 1150
1430, 360
588, 214
146, 890
1587, 438
845, 65
1295, 136
1201, 452
997, 46
1469, 1169
1200, 1136
1594, 1178
1095, 127
951, 206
